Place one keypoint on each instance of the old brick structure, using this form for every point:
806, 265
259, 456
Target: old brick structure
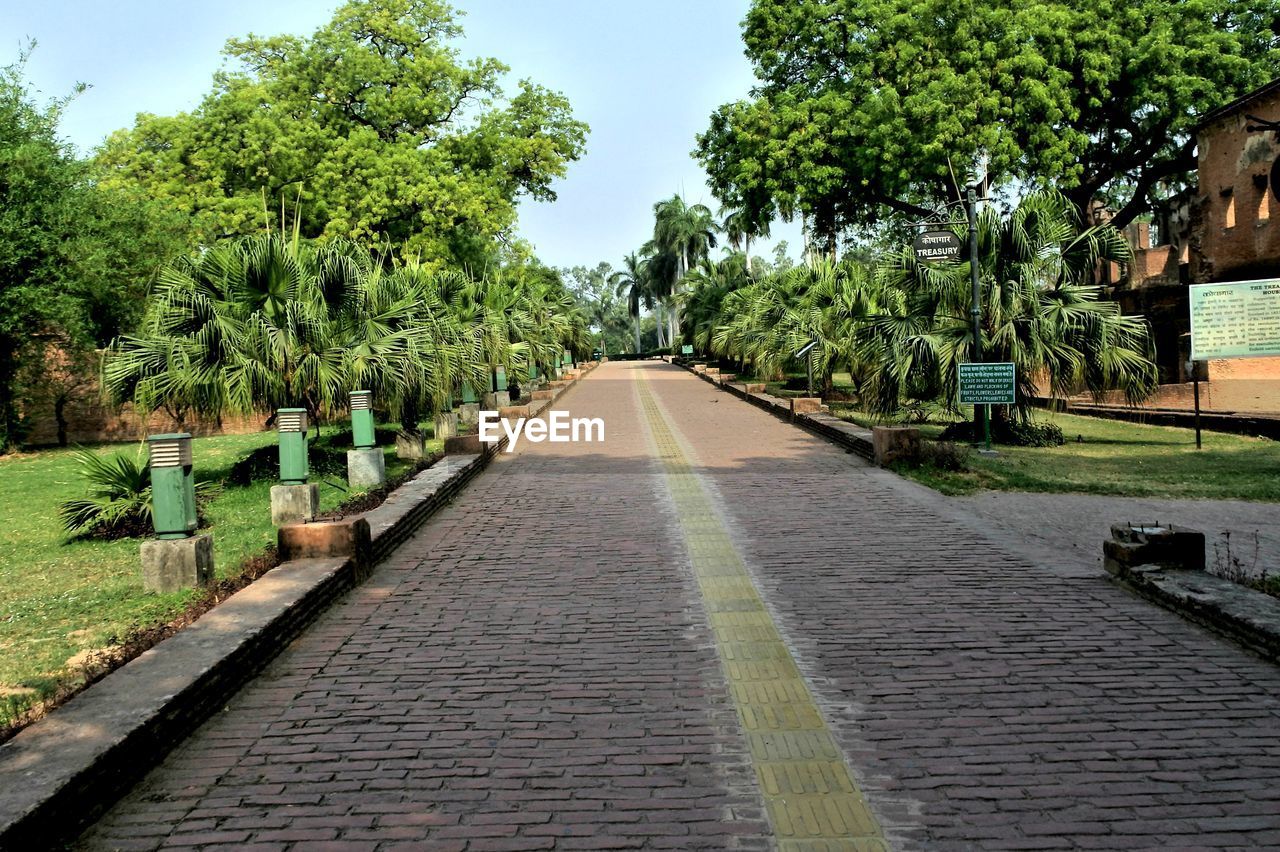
1226, 231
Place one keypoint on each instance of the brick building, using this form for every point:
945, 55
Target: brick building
1228, 229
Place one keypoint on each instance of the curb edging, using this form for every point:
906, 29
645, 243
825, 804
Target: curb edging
842, 433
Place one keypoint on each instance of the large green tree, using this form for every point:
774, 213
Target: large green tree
75, 257
874, 105
373, 128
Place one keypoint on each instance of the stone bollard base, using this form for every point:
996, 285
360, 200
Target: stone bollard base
169, 565
292, 504
366, 468
494, 401
894, 443
468, 414
805, 405
463, 445
411, 445
1166, 545
327, 539
446, 425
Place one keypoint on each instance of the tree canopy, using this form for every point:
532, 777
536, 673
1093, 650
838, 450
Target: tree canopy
873, 105
374, 129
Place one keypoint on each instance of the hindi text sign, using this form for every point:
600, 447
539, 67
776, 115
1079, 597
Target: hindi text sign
988, 384
1236, 320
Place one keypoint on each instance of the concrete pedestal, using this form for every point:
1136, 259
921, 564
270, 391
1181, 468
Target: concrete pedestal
366, 468
468, 414
410, 445
446, 424
895, 443
293, 504
494, 401
169, 565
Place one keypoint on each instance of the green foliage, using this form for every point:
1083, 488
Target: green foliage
119, 495
902, 328
607, 312
1039, 311
1013, 433
74, 255
868, 104
372, 129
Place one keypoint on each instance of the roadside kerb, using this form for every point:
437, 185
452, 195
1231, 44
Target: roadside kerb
847, 435
66, 769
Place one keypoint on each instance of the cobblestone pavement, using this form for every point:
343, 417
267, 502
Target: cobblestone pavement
542, 666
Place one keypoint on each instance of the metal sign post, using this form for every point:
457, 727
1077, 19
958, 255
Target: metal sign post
807, 349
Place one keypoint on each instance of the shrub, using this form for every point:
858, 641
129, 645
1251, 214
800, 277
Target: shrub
1010, 432
119, 501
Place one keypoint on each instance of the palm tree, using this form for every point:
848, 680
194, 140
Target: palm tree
686, 232
632, 282
739, 229
1039, 311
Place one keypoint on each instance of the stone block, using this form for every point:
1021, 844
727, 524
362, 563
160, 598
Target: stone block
805, 405
699, 368
349, 537
446, 424
468, 414
494, 401
727, 378
293, 504
411, 445
546, 394
1165, 545
513, 412
463, 445
169, 565
754, 387
559, 384
366, 468
895, 443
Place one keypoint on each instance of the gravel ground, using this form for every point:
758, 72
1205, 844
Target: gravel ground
1075, 525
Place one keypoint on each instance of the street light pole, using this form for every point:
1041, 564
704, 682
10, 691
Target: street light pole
981, 414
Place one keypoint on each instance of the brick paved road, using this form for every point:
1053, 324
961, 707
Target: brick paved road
536, 669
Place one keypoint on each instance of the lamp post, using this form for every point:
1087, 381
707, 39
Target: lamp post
981, 413
294, 500
366, 465
177, 558
173, 491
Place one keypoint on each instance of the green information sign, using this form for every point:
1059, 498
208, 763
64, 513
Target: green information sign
687, 349
988, 384
1237, 320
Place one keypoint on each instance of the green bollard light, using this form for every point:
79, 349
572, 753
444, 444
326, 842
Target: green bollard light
533, 371
499, 379
173, 492
567, 359
291, 423
468, 395
362, 432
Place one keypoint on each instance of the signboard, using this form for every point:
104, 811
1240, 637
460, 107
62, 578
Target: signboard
1236, 320
936, 245
988, 384
687, 349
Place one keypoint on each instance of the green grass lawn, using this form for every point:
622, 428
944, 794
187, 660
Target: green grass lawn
1114, 457
60, 597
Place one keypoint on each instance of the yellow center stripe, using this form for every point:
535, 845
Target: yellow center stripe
812, 799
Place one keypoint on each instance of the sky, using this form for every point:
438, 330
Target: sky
645, 74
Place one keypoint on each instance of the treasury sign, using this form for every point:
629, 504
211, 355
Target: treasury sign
1236, 320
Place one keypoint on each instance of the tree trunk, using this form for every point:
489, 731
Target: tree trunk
746, 254
9, 421
637, 318
60, 415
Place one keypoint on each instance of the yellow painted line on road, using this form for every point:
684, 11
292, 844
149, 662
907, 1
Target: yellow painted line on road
812, 799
